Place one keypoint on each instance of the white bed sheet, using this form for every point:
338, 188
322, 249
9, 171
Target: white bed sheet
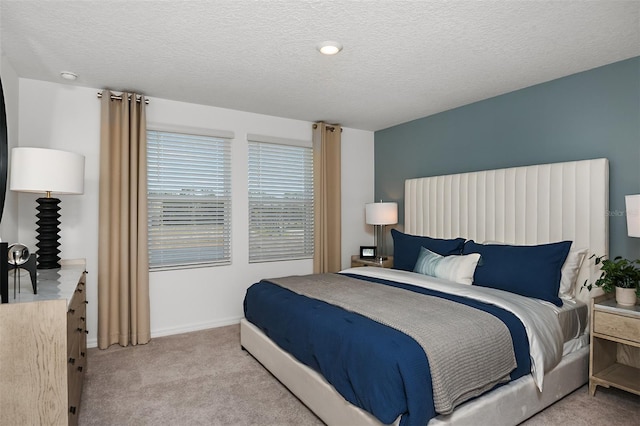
573, 316
541, 321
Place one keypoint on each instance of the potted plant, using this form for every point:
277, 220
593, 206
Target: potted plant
621, 275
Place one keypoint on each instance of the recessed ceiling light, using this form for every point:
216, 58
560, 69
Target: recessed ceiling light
68, 75
329, 47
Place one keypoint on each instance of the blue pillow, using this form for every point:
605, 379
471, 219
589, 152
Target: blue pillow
406, 248
532, 271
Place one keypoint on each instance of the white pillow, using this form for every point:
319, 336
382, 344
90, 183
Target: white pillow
459, 269
570, 270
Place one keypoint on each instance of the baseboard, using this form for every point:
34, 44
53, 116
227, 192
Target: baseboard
93, 343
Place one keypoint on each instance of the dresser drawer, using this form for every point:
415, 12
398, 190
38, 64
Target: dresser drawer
76, 349
76, 322
617, 326
78, 299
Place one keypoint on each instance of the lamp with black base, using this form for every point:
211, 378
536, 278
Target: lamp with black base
47, 171
48, 228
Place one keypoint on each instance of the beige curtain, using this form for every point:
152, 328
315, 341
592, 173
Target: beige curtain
327, 209
123, 264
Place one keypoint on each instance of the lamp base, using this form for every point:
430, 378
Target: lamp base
380, 243
48, 227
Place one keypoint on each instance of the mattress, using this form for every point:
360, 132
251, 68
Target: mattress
573, 317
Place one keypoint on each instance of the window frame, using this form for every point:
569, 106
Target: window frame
306, 247
225, 137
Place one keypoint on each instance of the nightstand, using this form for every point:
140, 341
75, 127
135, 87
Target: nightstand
615, 346
357, 262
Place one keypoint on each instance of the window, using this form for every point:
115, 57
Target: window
189, 200
280, 201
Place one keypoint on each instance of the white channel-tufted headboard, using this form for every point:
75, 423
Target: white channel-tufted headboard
519, 205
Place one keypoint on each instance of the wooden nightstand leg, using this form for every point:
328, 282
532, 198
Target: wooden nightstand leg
592, 388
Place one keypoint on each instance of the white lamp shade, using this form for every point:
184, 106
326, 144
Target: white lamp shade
46, 170
633, 215
381, 213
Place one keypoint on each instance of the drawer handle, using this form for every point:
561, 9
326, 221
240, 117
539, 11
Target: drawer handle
72, 361
82, 354
72, 410
79, 290
86, 332
82, 318
72, 311
85, 302
79, 329
80, 369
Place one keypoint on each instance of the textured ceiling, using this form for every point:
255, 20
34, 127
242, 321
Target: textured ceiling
401, 60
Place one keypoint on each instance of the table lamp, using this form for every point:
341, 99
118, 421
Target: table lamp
47, 171
379, 215
632, 203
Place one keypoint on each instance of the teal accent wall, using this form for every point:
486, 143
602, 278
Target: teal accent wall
592, 114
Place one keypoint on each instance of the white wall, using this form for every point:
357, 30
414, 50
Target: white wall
67, 117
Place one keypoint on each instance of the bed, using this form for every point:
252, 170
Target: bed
559, 207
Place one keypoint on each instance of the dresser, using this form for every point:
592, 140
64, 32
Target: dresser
43, 348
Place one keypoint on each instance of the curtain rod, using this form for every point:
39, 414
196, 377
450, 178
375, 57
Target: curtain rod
119, 98
330, 128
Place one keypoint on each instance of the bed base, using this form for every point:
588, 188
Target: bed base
507, 405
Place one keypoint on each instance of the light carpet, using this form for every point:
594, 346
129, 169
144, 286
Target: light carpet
205, 378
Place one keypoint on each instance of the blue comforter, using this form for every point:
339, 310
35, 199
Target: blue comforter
373, 366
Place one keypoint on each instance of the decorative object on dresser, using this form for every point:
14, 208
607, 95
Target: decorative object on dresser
4, 274
4, 144
379, 215
20, 258
47, 171
615, 346
43, 350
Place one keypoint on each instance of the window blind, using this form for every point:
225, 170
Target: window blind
280, 202
189, 200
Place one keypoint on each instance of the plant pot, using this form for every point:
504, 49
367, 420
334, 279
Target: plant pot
625, 296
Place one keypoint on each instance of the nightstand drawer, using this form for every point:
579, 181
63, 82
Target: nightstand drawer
616, 326
357, 261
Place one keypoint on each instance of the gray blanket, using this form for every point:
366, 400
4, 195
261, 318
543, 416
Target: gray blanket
469, 350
